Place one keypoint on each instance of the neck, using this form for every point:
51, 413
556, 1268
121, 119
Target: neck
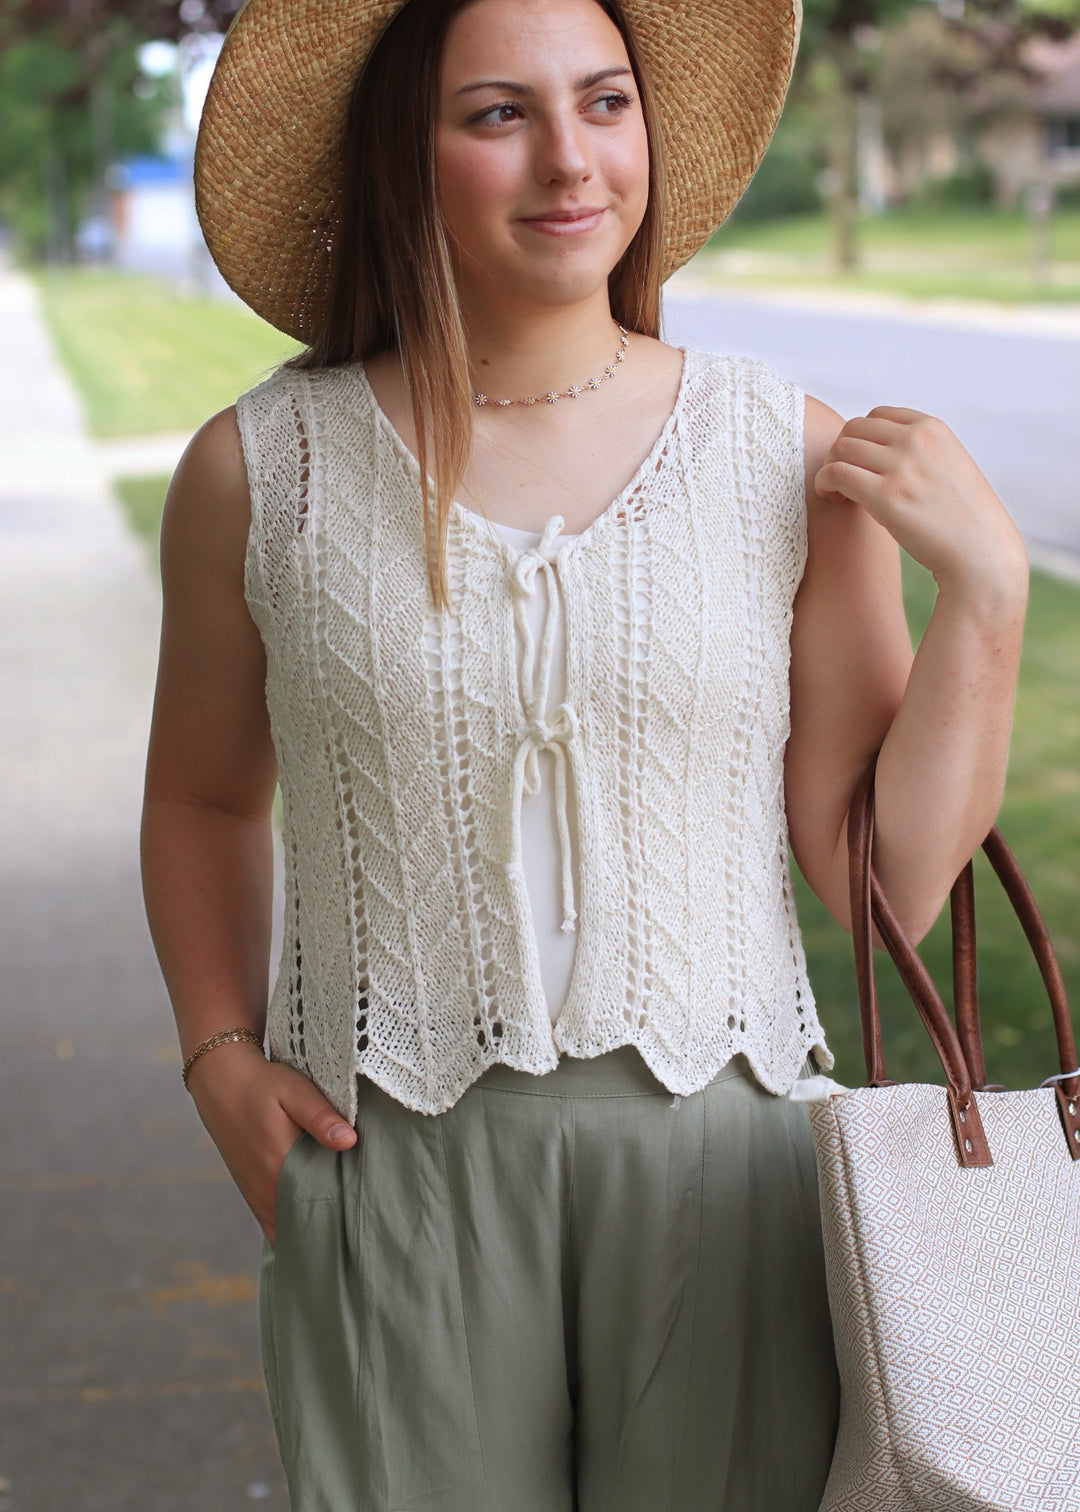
547, 348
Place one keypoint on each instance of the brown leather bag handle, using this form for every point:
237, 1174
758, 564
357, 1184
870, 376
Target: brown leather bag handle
1066, 1083
965, 978
1026, 909
869, 906
965, 974
959, 1049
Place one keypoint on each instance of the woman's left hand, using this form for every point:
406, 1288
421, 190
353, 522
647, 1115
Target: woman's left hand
911, 474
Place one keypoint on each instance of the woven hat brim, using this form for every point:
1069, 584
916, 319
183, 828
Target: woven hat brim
268, 157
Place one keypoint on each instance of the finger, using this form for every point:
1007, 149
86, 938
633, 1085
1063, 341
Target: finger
871, 455
306, 1105
867, 428
899, 413
848, 481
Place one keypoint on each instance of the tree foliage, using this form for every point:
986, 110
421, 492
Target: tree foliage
73, 23
47, 147
68, 67
72, 99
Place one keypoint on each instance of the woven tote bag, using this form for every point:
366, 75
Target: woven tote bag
951, 1218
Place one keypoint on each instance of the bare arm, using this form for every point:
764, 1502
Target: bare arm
206, 838
942, 718
207, 856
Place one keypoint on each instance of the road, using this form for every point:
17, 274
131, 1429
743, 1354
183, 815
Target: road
1013, 397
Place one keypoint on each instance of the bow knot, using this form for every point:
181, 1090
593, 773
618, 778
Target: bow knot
544, 734
541, 731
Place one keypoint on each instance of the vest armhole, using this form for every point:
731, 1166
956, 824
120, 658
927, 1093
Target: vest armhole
275, 438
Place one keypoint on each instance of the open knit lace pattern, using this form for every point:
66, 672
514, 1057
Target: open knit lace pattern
404, 738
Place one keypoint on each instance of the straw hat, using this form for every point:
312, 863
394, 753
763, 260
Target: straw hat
268, 158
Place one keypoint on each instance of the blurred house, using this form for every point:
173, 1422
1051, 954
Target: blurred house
998, 135
1034, 139
152, 214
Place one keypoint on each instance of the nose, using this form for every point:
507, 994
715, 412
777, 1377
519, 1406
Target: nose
561, 155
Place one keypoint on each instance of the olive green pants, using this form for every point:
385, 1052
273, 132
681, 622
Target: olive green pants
567, 1293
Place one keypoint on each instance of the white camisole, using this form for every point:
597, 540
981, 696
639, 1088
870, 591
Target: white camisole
539, 825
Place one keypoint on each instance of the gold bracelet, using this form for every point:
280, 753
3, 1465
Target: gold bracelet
222, 1037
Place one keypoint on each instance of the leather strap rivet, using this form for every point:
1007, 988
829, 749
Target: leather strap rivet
1072, 1110
963, 1119
967, 1142
1076, 1134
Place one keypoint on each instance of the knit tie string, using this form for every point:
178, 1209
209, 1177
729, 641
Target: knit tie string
538, 732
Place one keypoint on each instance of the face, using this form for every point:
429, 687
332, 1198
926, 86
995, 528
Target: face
542, 154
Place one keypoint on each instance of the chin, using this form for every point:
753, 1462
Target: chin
558, 284
563, 291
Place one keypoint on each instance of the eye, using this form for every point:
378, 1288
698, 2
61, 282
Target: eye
496, 115
612, 104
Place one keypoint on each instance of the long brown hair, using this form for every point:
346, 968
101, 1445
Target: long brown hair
392, 281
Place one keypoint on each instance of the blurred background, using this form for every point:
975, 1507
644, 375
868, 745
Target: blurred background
912, 237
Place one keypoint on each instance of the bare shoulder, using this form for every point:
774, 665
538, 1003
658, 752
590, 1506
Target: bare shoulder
663, 363
211, 739
821, 426
843, 538
214, 459
386, 380
207, 511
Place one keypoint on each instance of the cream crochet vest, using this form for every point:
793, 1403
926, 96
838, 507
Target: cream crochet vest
404, 738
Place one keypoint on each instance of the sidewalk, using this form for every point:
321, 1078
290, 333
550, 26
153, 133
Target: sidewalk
129, 1368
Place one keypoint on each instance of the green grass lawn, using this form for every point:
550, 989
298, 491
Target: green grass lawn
924, 254
147, 359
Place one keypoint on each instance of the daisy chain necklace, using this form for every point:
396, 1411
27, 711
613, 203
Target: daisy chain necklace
575, 388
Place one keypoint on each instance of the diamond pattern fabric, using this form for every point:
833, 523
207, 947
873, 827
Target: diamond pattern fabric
954, 1295
403, 737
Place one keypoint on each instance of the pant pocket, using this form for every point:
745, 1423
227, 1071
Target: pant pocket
312, 1332
268, 1344
296, 1153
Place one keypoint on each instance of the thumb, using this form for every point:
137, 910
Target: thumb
310, 1109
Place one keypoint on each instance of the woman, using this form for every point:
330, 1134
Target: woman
547, 1233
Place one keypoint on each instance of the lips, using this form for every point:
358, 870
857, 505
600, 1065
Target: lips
565, 222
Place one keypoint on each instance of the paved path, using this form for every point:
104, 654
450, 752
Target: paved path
129, 1371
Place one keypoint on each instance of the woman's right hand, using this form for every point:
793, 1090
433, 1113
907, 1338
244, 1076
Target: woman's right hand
255, 1110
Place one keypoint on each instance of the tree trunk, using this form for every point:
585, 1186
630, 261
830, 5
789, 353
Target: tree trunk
57, 225
842, 180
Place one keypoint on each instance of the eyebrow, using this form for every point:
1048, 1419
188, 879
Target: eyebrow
513, 87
